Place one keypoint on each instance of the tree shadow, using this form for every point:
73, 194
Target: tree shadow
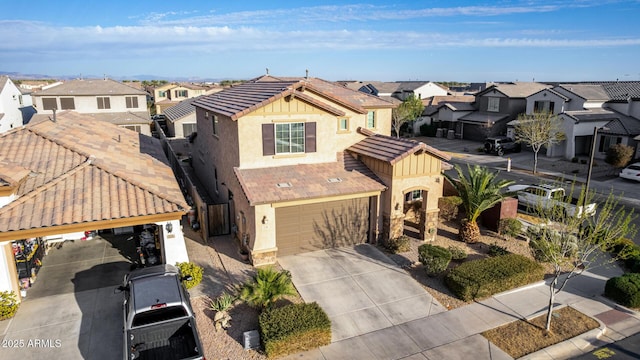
344, 227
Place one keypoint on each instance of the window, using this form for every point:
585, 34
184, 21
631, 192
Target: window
188, 129
543, 107
493, 104
214, 124
104, 103
67, 104
412, 196
215, 176
181, 93
371, 119
162, 93
607, 141
343, 124
289, 138
132, 102
136, 128
20, 100
49, 103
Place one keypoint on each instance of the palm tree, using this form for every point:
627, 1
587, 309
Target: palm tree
268, 285
479, 190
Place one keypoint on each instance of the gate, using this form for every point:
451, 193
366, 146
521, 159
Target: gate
218, 219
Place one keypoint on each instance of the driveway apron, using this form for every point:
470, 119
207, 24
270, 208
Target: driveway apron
360, 288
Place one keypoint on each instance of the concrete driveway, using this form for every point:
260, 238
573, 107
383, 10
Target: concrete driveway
360, 288
71, 311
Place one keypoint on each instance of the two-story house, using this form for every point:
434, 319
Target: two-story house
400, 89
444, 111
170, 95
495, 107
105, 99
15, 107
181, 119
306, 164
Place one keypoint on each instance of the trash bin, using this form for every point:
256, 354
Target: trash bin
451, 134
439, 132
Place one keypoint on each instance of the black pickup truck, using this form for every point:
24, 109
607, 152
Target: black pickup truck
158, 318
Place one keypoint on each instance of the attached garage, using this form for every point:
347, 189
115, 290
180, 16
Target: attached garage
322, 225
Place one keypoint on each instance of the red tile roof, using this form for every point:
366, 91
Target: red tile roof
391, 149
83, 171
308, 181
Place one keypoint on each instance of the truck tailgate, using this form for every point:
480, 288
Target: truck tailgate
174, 339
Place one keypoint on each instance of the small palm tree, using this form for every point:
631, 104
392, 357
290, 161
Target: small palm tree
479, 190
268, 285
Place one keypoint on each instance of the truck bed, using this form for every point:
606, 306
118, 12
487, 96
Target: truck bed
168, 340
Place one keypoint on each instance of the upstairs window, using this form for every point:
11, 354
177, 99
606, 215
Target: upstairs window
181, 93
289, 138
493, 104
132, 102
162, 94
343, 124
104, 103
188, 129
371, 120
214, 124
543, 107
412, 196
49, 104
67, 103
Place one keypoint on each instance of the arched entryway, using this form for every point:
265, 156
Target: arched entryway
414, 212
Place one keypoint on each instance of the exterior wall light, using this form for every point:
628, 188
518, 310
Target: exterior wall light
169, 227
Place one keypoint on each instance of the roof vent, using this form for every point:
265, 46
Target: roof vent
334, 180
283, 185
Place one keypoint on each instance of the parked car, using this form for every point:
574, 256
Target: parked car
500, 145
158, 319
631, 172
548, 197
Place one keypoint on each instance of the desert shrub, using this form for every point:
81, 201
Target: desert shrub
448, 206
619, 155
497, 250
399, 244
8, 304
545, 243
574, 160
428, 130
294, 328
457, 253
434, 258
222, 302
192, 270
510, 227
624, 289
267, 286
482, 278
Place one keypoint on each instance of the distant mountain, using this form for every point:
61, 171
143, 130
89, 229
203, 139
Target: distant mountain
22, 76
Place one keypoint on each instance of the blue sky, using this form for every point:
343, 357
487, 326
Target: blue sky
370, 40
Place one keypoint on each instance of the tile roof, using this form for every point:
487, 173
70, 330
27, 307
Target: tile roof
81, 171
437, 100
482, 118
116, 118
458, 106
90, 87
391, 149
516, 89
246, 97
618, 124
587, 92
3, 81
621, 91
182, 109
308, 181
563, 97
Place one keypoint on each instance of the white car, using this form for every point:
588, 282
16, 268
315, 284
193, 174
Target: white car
631, 172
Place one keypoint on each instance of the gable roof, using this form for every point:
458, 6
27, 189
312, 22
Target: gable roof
251, 95
550, 90
587, 91
308, 181
590, 115
90, 87
81, 171
3, 82
390, 149
515, 89
182, 109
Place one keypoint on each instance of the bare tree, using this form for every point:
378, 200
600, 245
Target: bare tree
538, 130
410, 109
573, 244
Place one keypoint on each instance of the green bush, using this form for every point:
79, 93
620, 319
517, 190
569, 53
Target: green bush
482, 278
574, 160
497, 250
449, 206
222, 302
546, 242
624, 289
399, 244
457, 253
294, 328
633, 263
193, 270
434, 258
510, 227
428, 130
266, 287
8, 305
619, 155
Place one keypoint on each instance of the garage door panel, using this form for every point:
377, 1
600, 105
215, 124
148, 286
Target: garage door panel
322, 225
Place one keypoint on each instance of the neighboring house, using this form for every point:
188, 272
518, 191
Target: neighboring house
181, 119
68, 174
444, 111
170, 95
400, 89
306, 164
494, 108
106, 99
15, 107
